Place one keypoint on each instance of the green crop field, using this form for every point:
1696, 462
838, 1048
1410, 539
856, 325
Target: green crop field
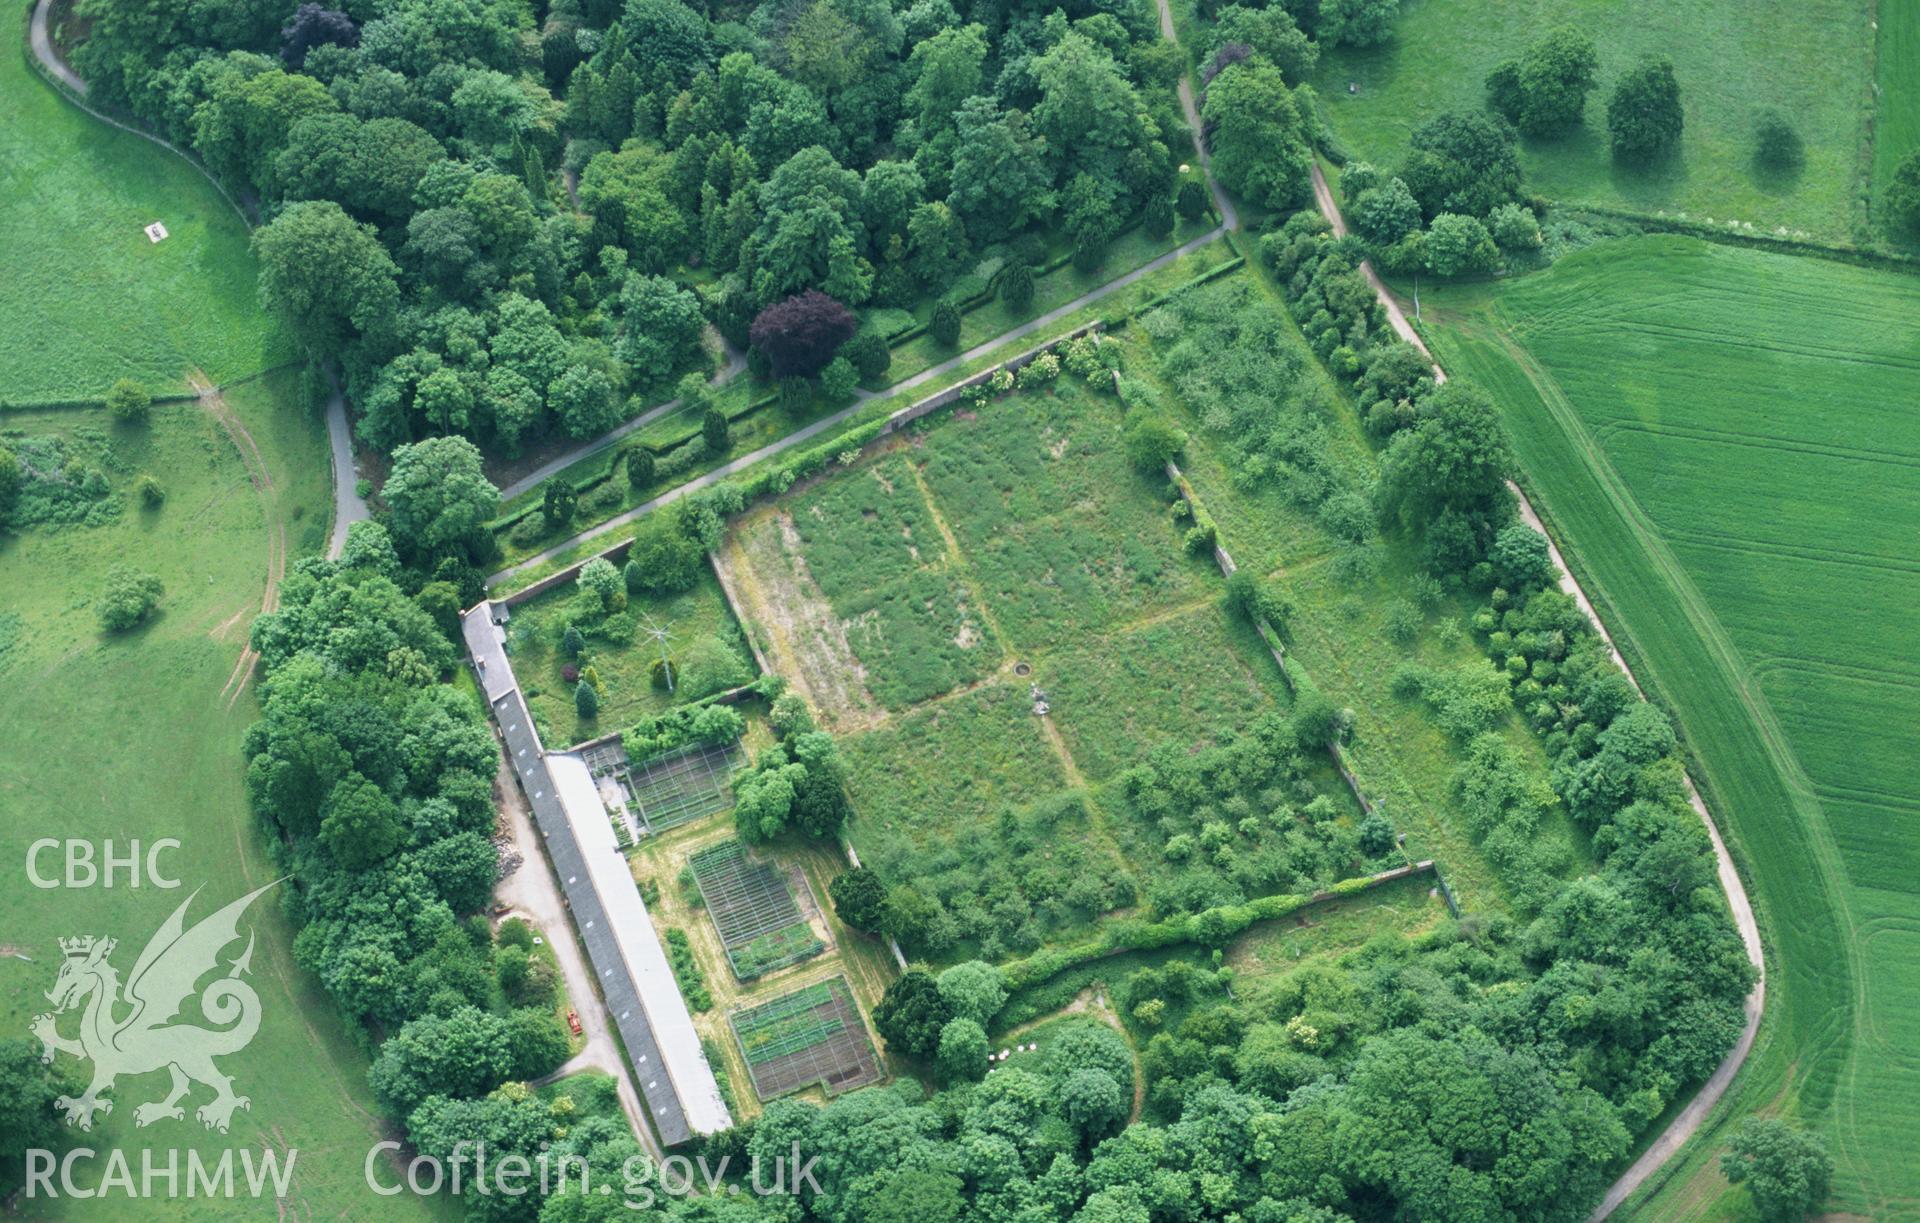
134, 736
1727, 439
1809, 59
90, 299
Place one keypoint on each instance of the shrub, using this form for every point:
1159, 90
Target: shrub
128, 402
839, 380
1151, 440
1460, 246
603, 580
1902, 198
1157, 217
663, 674
1521, 558
860, 899
1403, 621
944, 326
572, 642
1190, 201
796, 394
664, 558
1514, 228
557, 503
962, 1056
639, 467
686, 970
713, 430
1776, 146
150, 491
586, 702
789, 715
1253, 600
1038, 372
710, 665
870, 355
1016, 286
912, 1015
129, 598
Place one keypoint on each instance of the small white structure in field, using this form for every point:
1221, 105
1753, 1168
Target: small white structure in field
156, 232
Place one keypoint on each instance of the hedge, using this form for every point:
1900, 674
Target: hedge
1210, 927
1233, 264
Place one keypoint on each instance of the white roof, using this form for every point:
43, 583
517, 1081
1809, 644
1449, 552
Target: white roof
685, 1062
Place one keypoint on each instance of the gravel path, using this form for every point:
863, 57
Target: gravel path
1229, 216
530, 891
43, 50
1687, 1122
349, 506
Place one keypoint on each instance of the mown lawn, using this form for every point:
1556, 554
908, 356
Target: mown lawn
132, 737
1809, 58
1726, 439
88, 298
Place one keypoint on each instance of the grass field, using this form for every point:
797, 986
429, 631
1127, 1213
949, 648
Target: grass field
1727, 440
1808, 58
1896, 71
90, 298
134, 737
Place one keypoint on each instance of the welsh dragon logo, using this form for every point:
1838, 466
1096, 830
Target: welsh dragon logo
131, 1031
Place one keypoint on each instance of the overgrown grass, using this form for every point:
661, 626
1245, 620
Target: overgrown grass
1065, 537
1732, 57
621, 652
1356, 618
949, 765
90, 299
1725, 439
1190, 679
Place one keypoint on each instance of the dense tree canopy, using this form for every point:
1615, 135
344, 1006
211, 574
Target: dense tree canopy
1644, 118
1462, 162
1544, 91
439, 497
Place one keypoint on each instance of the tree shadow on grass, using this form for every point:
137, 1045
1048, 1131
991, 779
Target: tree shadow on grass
1652, 182
1777, 179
